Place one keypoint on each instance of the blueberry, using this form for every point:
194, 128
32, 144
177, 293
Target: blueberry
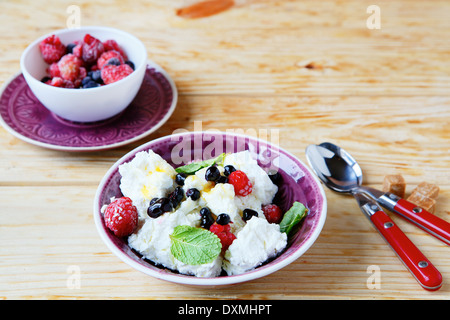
159, 207
69, 47
176, 196
193, 193
86, 80
45, 79
113, 61
247, 214
205, 211
179, 179
206, 218
223, 219
222, 179
228, 170
275, 176
130, 63
91, 84
212, 174
97, 76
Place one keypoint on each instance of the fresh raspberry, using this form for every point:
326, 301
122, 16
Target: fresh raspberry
69, 67
121, 217
52, 49
241, 183
104, 58
273, 213
217, 228
113, 45
111, 73
92, 49
223, 233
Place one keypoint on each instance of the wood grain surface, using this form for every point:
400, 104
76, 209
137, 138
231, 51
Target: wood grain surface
311, 70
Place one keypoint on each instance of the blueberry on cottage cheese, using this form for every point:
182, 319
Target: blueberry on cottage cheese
247, 214
227, 170
212, 173
193, 193
223, 219
206, 218
179, 179
159, 207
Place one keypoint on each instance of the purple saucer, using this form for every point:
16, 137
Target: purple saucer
26, 118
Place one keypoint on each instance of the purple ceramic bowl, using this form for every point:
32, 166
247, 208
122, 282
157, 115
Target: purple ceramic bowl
298, 184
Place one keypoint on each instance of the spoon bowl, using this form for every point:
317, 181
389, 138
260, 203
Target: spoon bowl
335, 167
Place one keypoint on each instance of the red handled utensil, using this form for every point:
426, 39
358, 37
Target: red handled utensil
414, 260
340, 172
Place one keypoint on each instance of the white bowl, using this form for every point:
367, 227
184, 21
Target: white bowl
93, 104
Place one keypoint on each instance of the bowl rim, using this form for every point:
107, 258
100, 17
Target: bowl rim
67, 30
209, 281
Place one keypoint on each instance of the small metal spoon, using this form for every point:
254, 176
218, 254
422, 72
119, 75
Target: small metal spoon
340, 172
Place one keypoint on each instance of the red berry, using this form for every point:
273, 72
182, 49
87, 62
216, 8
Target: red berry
57, 82
52, 49
104, 58
241, 183
77, 51
111, 73
53, 70
69, 67
113, 45
92, 49
224, 234
121, 217
273, 213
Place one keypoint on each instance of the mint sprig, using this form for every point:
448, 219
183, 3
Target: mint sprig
193, 167
292, 217
194, 246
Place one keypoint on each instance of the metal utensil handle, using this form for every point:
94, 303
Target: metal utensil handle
419, 266
422, 218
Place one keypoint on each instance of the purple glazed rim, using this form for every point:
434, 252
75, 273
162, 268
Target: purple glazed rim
35, 124
304, 183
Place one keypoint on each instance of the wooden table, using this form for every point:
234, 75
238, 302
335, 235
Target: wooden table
312, 70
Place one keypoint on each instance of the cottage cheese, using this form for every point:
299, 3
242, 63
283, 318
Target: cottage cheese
145, 177
148, 176
257, 242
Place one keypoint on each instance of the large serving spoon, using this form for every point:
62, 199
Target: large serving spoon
340, 172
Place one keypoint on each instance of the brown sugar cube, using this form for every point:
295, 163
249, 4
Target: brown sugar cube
427, 189
422, 201
395, 184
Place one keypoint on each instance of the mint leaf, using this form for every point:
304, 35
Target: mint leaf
193, 167
193, 245
292, 217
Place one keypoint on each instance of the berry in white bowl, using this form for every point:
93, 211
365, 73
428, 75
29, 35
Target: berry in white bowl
56, 64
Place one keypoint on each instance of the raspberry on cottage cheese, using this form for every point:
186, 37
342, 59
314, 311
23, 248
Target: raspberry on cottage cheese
166, 199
